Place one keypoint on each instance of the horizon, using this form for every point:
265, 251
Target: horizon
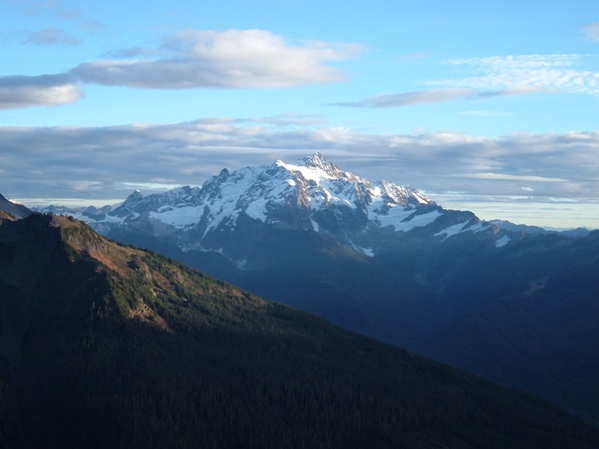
487, 210
489, 108
484, 210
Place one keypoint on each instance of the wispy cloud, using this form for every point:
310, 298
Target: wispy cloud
433, 96
221, 59
56, 9
504, 177
45, 90
525, 74
591, 31
411, 98
148, 185
51, 36
497, 76
44, 7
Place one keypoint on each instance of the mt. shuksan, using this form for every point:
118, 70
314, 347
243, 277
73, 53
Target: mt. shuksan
312, 194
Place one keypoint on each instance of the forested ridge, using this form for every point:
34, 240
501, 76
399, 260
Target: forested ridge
105, 345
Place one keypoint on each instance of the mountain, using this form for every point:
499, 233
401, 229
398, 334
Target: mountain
506, 302
312, 194
503, 224
105, 345
509, 226
13, 209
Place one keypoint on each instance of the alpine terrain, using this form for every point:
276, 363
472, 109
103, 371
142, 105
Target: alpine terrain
517, 305
103, 345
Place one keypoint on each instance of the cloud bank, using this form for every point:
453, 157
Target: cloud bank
233, 59
105, 162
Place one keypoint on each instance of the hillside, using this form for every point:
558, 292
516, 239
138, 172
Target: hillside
108, 346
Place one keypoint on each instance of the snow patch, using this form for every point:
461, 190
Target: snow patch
367, 252
452, 230
179, 217
419, 221
478, 227
421, 199
309, 173
502, 241
257, 209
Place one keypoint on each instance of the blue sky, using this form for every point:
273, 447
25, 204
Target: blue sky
487, 106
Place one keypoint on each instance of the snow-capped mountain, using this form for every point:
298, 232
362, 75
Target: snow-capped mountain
311, 194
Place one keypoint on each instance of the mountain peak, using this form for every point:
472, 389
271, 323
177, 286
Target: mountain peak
12, 208
319, 161
129, 204
315, 160
135, 196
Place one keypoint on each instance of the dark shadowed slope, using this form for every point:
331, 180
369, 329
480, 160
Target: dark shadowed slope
108, 346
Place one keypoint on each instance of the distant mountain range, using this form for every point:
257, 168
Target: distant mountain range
508, 226
511, 303
103, 345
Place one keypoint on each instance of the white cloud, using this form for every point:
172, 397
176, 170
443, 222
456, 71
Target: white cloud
222, 59
188, 60
525, 74
45, 90
519, 61
504, 177
148, 185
